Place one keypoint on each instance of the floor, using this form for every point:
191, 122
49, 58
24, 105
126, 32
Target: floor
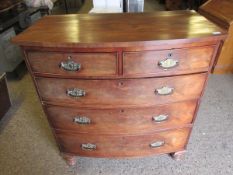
27, 146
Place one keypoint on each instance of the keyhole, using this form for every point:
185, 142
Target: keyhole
121, 83
170, 55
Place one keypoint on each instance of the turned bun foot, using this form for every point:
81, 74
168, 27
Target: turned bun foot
70, 160
178, 155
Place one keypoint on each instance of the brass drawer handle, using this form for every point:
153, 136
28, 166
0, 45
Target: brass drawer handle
70, 65
164, 90
82, 120
160, 118
168, 63
88, 146
75, 92
157, 144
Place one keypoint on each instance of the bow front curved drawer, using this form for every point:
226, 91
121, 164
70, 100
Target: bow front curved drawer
122, 120
120, 93
96, 145
167, 62
73, 64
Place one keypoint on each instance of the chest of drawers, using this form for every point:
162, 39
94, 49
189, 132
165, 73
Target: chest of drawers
121, 85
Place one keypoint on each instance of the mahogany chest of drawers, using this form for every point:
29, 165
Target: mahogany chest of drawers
121, 85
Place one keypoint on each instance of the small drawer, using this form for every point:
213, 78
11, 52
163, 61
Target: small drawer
121, 93
121, 121
97, 145
73, 64
168, 62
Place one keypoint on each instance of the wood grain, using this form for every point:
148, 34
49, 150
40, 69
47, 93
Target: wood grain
121, 93
191, 60
92, 64
122, 120
123, 146
119, 54
221, 13
225, 61
119, 30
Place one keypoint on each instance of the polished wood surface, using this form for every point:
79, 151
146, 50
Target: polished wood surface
123, 146
221, 12
119, 55
121, 93
117, 30
190, 60
102, 64
135, 64
122, 120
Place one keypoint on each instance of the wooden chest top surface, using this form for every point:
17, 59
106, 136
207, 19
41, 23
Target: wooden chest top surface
87, 30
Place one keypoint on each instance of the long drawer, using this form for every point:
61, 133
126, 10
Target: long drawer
123, 146
167, 62
73, 64
121, 121
120, 93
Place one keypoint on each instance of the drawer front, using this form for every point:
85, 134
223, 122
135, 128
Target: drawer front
121, 93
121, 121
123, 146
74, 64
168, 62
